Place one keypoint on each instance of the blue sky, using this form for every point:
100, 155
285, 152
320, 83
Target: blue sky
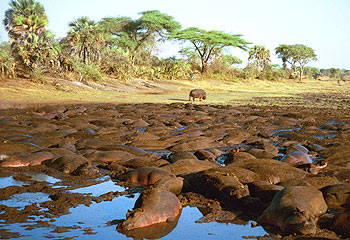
323, 25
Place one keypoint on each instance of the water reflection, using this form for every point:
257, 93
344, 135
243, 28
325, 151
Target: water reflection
99, 189
155, 231
25, 199
97, 221
40, 177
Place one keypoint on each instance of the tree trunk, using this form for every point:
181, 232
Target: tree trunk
301, 73
204, 67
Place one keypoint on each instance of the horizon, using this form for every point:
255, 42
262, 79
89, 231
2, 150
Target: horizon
319, 24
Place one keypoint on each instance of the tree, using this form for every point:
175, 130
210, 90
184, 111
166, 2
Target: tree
334, 72
296, 54
112, 28
207, 43
25, 22
133, 35
84, 40
260, 56
325, 72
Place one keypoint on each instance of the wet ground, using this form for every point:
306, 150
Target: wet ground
71, 189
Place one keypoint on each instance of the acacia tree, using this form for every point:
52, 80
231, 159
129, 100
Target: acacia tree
136, 35
207, 43
25, 22
296, 55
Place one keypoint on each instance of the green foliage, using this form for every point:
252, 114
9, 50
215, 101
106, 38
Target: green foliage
25, 22
84, 40
124, 47
192, 57
37, 75
315, 73
325, 72
172, 68
156, 22
7, 62
86, 72
250, 72
117, 63
140, 34
222, 67
209, 43
273, 73
270, 72
259, 56
334, 72
296, 54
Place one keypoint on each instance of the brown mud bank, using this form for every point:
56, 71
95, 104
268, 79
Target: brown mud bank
284, 170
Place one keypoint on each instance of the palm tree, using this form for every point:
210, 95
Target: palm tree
260, 57
84, 40
25, 22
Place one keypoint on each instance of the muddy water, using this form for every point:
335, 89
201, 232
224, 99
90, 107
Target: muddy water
70, 157
97, 220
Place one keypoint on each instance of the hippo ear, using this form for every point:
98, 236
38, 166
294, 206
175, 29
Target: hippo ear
299, 210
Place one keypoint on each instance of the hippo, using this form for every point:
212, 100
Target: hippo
25, 160
313, 168
337, 195
297, 157
197, 93
145, 175
154, 231
295, 210
153, 206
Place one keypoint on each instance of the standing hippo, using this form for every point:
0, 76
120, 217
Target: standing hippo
197, 93
153, 206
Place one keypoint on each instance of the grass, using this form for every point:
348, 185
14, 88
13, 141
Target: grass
256, 92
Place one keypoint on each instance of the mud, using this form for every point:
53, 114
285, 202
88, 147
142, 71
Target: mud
57, 161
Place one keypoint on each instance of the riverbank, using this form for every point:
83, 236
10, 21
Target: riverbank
20, 93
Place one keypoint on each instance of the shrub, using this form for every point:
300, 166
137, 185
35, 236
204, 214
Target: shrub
87, 72
37, 75
250, 72
272, 73
7, 63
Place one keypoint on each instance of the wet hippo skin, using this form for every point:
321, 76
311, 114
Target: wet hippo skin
145, 175
153, 206
295, 210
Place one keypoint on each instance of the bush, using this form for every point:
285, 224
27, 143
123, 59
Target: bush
271, 73
7, 64
172, 68
37, 75
250, 72
87, 72
118, 64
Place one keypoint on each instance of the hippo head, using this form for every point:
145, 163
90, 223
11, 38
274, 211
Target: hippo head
135, 219
300, 222
204, 97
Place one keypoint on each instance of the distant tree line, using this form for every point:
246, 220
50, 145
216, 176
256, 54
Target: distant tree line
124, 48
